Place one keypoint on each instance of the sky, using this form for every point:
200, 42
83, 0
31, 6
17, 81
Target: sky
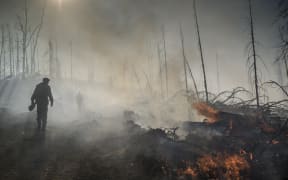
108, 34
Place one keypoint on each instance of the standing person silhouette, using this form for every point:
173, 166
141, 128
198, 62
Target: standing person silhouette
41, 94
79, 100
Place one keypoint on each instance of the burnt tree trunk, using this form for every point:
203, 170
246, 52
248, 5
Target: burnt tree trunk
201, 50
165, 59
2, 50
10, 46
51, 57
254, 54
160, 70
184, 58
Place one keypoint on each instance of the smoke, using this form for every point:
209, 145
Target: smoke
113, 44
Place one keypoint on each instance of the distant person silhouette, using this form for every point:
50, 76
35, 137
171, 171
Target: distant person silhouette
40, 97
79, 100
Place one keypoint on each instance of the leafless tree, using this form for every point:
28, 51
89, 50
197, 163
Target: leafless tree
254, 56
160, 69
218, 73
184, 58
51, 58
186, 65
71, 60
38, 29
165, 58
283, 33
30, 36
2, 50
23, 24
17, 54
200, 49
10, 46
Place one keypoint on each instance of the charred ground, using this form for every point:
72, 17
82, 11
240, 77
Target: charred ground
83, 150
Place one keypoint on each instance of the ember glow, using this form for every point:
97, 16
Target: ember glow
189, 171
207, 111
223, 165
219, 166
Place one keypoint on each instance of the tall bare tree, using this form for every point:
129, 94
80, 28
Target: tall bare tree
200, 49
254, 56
23, 24
51, 58
30, 36
218, 73
184, 58
10, 46
165, 58
283, 32
17, 54
37, 30
160, 69
71, 60
2, 49
187, 66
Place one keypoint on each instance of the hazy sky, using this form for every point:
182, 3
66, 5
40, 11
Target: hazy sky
114, 31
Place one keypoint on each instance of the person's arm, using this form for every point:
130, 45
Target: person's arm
50, 97
33, 97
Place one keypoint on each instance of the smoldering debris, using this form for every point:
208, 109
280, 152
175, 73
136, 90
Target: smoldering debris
83, 150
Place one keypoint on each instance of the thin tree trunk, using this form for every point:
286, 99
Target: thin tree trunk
4, 63
51, 56
193, 79
148, 82
17, 51
201, 50
24, 39
286, 68
32, 61
254, 54
71, 60
38, 62
39, 28
57, 62
137, 79
165, 59
10, 50
280, 77
218, 73
184, 58
160, 70
186, 65
2, 49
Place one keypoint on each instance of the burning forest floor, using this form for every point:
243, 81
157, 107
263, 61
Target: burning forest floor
225, 149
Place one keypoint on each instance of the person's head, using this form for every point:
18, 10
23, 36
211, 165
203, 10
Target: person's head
46, 80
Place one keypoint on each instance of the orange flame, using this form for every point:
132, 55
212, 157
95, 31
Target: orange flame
227, 166
190, 172
206, 110
234, 165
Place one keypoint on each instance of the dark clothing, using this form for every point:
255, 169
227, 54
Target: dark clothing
41, 96
42, 116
